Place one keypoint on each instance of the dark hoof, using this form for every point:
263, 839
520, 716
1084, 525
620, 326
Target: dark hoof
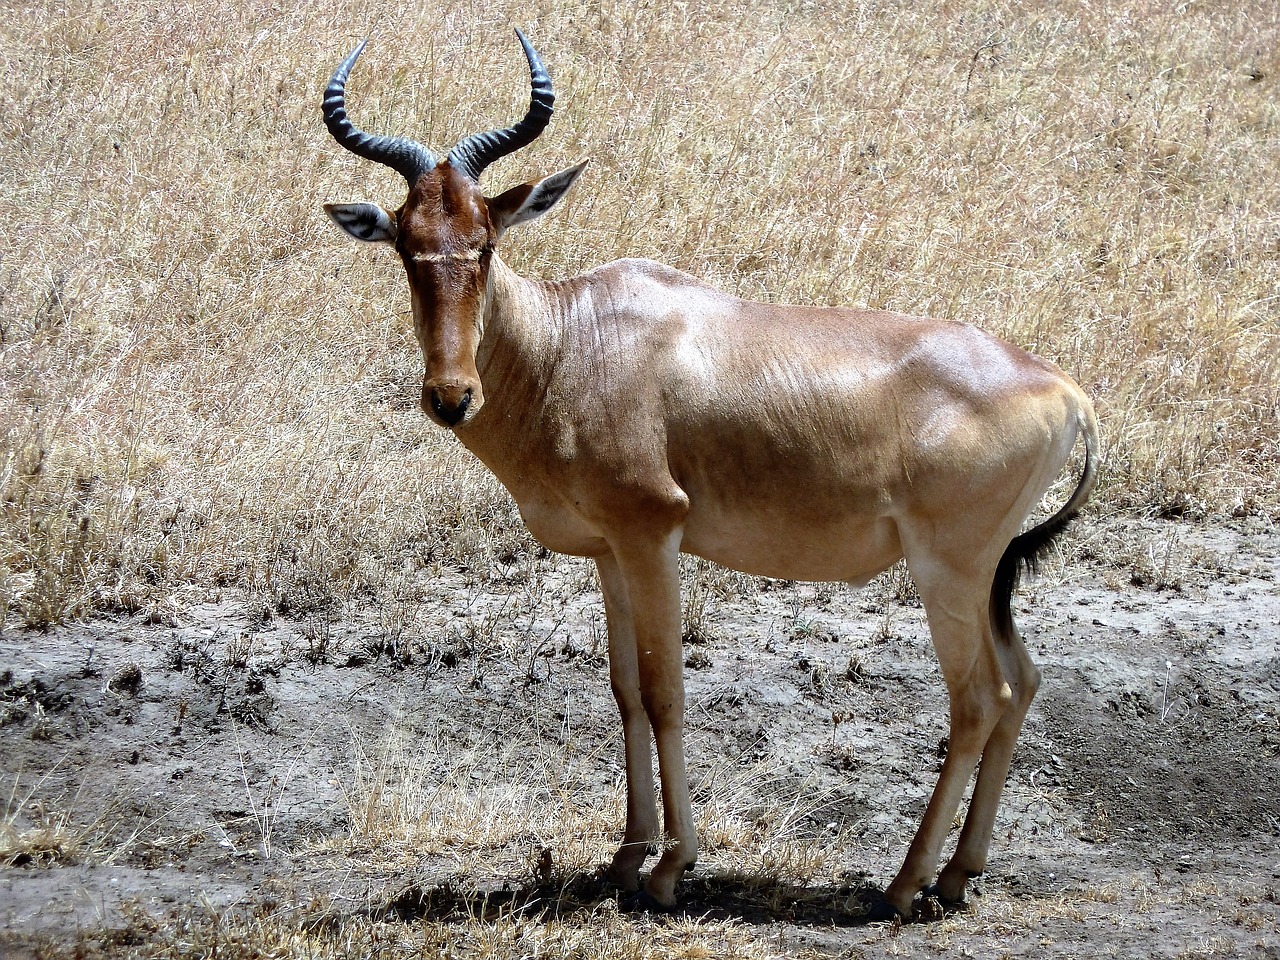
881, 911
641, 902
948, 906
606, 882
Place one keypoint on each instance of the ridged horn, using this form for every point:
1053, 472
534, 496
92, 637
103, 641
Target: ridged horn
408, 158
479, 150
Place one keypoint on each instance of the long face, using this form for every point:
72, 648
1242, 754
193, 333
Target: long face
446, 230
445, 239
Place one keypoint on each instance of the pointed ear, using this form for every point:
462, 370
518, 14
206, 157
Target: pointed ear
364, 221
530, 200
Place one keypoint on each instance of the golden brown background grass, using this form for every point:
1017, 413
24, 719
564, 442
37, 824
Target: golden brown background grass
205, 383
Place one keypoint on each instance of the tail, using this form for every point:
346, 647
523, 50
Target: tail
1027, 549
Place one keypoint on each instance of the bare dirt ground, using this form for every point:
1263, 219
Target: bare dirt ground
244, 755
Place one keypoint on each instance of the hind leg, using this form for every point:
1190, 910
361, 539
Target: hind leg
956, 603
970, 857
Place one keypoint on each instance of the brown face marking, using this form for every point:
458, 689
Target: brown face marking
444, 241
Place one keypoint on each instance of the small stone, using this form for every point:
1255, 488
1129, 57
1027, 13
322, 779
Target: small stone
128, 679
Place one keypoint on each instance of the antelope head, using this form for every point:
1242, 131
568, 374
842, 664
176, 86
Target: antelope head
446, 230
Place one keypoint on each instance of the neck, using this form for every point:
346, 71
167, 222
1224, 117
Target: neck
521, 330
519, 347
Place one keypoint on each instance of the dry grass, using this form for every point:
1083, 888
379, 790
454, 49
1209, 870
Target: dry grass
34, 832
605, 935
505, 808
413, 799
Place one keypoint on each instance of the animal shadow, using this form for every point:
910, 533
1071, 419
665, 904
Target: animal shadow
727, 896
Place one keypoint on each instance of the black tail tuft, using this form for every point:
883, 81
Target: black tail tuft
1027, 549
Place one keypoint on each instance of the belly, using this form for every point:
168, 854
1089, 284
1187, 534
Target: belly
763, 536
771, 544
793, 528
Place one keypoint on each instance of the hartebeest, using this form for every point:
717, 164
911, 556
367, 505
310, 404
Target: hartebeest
635, 413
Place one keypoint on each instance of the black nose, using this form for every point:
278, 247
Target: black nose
450, 413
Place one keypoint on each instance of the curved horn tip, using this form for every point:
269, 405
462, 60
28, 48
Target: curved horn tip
530, 53
344, 68
407, 157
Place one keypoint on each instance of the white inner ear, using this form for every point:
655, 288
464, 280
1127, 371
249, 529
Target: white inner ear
367, 222
545, 195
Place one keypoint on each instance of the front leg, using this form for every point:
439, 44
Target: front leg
650, 567
642, 811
